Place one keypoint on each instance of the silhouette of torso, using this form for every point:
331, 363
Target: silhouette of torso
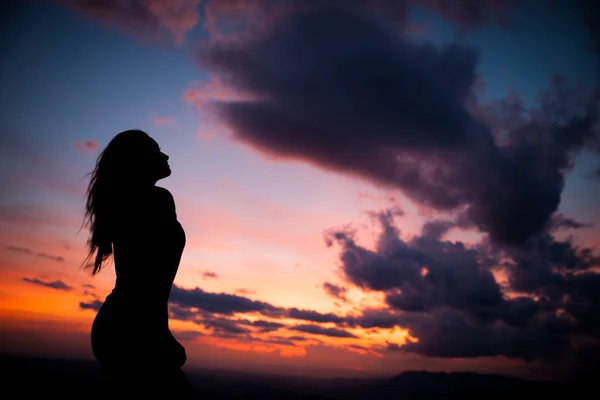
132, 325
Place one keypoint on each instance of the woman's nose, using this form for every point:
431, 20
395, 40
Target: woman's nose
165, 156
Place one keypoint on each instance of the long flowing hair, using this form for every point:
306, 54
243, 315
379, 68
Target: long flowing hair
114, 173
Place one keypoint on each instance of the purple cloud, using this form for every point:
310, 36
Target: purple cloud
56, 284
401, 116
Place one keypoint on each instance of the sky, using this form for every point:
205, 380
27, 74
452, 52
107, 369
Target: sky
367, 187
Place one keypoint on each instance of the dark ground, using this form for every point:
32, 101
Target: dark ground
32, 377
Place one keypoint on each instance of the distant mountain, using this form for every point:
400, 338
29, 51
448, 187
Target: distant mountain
70, 379
455, 385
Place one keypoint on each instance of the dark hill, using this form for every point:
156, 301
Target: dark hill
70, 379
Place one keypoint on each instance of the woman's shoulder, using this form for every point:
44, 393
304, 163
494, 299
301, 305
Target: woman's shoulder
162, 194
163, 198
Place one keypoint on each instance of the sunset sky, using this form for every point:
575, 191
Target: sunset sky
367, 187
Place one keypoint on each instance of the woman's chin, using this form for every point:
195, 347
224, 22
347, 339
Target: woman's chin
165, 173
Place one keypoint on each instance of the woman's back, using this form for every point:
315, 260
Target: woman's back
148, 244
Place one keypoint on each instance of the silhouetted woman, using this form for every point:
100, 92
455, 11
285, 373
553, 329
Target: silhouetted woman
134, 221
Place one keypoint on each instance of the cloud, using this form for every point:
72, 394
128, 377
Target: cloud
224, 326
91, 305
560, 221
314, 316
447, 295
88, 286
264, 326
374, 318
245, 292
195, 304
221, 303
319, 330
57, 284
463, 339
401, 117
335, 291
86, 146
207, 303
222, 323
186, 335
142, 17
209, 275
88, 293
34, 253
220, 312
159, 121
237, 326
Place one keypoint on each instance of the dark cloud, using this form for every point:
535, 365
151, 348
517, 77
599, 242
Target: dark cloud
34, 253
192, 304
186, 335
222, 325
88, 293
91, 305
217, 311
559, 221
89, 286
446, 293
335, 291
297, 338
57, 284
221, 303
438, 228
264, 326
222, 322
184, 313
449, 333
319, 330
374, 318
401, 117
314, 316
239, 326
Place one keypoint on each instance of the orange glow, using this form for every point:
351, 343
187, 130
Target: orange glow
290, 351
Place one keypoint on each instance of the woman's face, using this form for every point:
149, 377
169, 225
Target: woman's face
156, 162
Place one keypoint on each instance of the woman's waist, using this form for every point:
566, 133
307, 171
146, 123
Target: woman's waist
122, 296
119, 312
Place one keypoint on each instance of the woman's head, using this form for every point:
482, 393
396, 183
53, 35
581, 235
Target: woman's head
132, 159
131, 162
